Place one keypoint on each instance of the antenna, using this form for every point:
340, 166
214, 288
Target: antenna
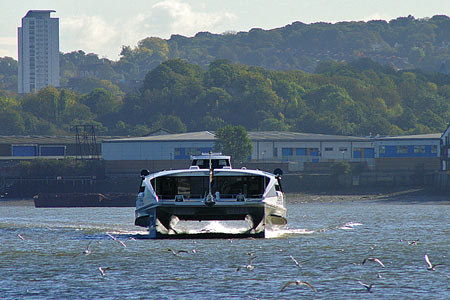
86, 145
209, 201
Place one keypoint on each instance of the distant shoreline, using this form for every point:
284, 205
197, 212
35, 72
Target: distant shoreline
386, 196
16, 202
374, 195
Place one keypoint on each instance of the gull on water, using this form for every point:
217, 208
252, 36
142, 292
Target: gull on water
431, 267
372, 259
21, 237
297, 282
367, 286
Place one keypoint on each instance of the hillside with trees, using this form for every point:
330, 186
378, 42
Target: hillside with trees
402, 43
350, 78
358, 98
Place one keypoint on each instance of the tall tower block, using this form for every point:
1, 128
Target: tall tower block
38, 41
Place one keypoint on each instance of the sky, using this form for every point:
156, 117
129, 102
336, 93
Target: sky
104, 26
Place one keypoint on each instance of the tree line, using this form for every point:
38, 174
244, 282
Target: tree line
403, 43
358, 98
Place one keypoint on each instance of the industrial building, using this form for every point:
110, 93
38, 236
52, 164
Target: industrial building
38, 57
51, 147
296, 151
408, 152
292, 151
445, 154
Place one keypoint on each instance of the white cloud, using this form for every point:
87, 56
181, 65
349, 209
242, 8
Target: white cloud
105, 37
173, 16
88, 33
8, 41
378, 16
8, 46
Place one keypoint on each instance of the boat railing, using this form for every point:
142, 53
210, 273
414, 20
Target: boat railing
217, 198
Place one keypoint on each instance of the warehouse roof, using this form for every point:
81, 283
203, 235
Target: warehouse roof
190, 136
297, 136
429, 136
209, 136
45, 139
253, 135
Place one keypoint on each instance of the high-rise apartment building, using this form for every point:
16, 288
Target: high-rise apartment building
38, 51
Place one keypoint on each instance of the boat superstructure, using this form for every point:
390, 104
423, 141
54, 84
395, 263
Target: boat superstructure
209, 190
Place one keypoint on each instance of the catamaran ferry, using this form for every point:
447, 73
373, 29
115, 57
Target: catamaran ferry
210, 190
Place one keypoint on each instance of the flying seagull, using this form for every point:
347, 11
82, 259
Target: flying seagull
115, 238
367, 286
411, 243
21, 237
111, 236
85, 251
297, 282
103, 270
176, 253
249, 266
372, 259
431, 267
295, 261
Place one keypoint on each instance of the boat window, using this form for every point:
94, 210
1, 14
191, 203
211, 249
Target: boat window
167, 187
272, 192
215, 163
277, 187
250, 186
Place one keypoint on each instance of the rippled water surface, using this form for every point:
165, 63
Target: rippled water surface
41, 256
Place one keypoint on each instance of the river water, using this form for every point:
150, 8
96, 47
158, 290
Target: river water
41, 255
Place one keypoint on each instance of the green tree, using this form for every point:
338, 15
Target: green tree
100, 102
11, 122
158, 46
340, 168
234, 141
170, 122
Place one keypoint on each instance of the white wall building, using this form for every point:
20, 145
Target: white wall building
293, 148
300, 148
38, 41
159, 147
301, 151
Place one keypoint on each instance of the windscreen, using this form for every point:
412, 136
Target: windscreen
167, 187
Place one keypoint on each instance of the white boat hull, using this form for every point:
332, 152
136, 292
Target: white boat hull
158, 217
209, 195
